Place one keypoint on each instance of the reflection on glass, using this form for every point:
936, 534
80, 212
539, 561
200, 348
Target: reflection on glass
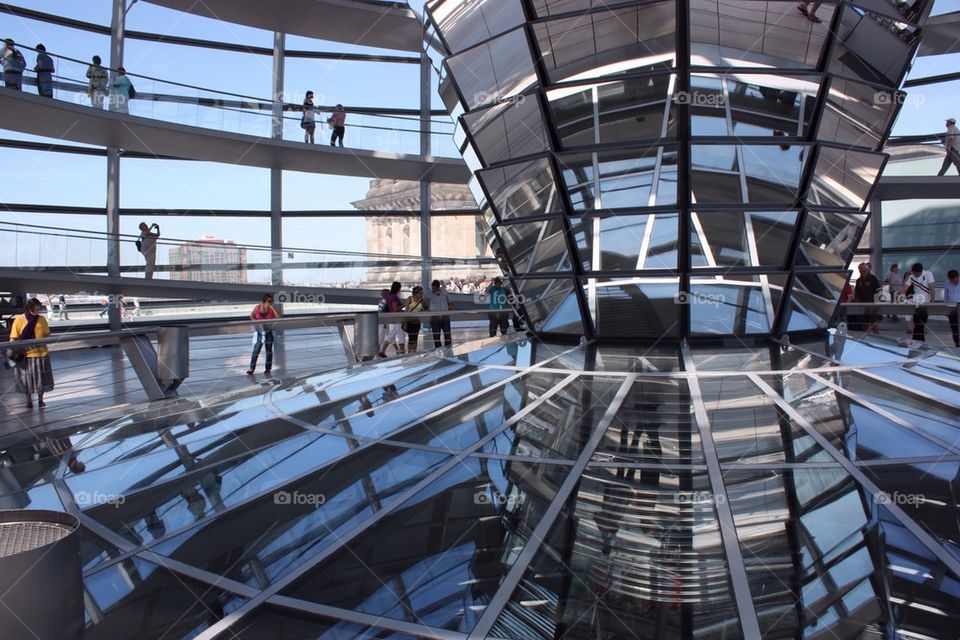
267, 622
509, 129
520, 190
635, 556
551, 304
627, 242
741, 239
608, 42
493, 71
634, 307
440, 557
746, 105
829, 239
814, 298
872, 47
621, 179
844, 178
536, 246
739, 305
625, 110
856, 114
464, 24
137, 600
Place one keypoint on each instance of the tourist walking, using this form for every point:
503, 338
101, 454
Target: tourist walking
438, 300
951, 295
263, 311
951, 141
394, 334
147, 245
920, 285
32, 367
412, 327
13, 65
97, 83
338, 121
866, 290
497, 296
308, 121
44, 69
62, 300
122, 92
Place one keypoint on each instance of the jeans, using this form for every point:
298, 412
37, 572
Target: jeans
441, 324
920, 324
498, 320
262, 336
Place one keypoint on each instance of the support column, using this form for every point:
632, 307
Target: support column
426, 275
276, 174
876, 238
117, 28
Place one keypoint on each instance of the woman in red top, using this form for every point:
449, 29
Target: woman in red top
263, 311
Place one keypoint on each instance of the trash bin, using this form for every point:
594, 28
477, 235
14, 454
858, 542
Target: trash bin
173, 356
367, 335
40, 575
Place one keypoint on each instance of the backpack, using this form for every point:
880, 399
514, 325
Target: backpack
131, 96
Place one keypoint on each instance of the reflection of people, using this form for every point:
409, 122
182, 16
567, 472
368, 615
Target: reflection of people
438, 300
33, 371
951, 141
263, 311
920, 285
809, 9
497, 296
147, 245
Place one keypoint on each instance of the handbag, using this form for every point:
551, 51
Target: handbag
17, 357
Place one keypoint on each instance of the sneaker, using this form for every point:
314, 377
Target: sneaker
249, 372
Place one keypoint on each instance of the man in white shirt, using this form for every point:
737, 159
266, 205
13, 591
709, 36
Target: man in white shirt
437, 300
951, 140
920, 285
951, 295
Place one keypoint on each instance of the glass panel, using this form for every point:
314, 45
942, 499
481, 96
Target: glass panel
770, 173
741, 239
536, 246
440, 558
561, 426
635, 307
278, 532
626, 110
137, 600
635, 556
745, 33
871, 47
844, 178
627, 179
654, 425
463, 23
520, 190
734, 304
814, 298
608, 42
509, 129
754, 105
623, 238
267, 622
829, 239
493, 71
748, 427
551, 304
856, 114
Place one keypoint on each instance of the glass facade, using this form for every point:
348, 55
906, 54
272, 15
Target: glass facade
681, 170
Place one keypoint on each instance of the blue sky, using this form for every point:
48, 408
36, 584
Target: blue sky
172, 184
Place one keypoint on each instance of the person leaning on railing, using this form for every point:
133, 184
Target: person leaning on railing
32, 367
13, 65
44, 69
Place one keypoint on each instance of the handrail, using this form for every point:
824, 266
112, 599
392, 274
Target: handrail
126, 237
287, 106
82, 340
